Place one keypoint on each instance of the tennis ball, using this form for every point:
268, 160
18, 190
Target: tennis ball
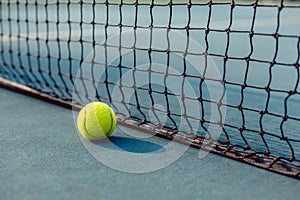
96, 121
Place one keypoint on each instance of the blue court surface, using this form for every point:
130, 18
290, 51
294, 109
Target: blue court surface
42, 157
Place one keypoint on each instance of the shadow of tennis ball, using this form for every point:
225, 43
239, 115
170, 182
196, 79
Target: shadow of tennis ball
131, 145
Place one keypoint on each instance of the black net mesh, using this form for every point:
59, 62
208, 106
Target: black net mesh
219, 75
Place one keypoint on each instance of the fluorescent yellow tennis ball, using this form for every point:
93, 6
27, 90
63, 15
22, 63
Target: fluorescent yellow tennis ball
96, 121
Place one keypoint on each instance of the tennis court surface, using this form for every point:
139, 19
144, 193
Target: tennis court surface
42, 157
206, 95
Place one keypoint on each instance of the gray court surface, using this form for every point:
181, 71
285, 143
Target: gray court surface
42, 157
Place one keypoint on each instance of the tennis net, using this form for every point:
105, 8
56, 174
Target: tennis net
217, 75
